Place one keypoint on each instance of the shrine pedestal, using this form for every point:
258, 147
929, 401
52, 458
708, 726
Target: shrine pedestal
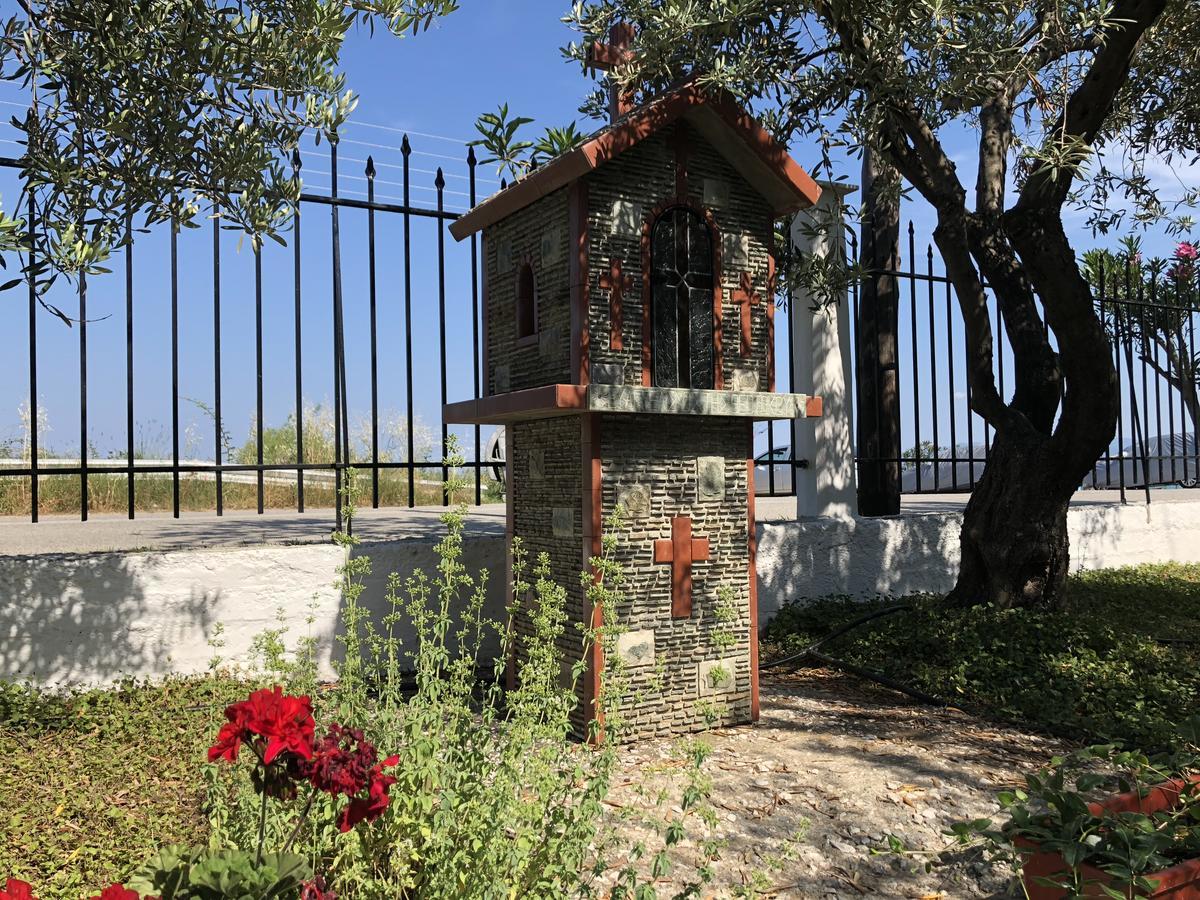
683, 476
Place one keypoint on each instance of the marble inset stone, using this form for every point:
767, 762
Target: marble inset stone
745, 380
551, 245
562, 521
549, 342
716, 193
504, 256
626, 218
710, 477
537, 464
608, 373
502, 379
634, 499
636, 648
716, 676
735, 250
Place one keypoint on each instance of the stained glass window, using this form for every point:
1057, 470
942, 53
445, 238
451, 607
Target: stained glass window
681, 263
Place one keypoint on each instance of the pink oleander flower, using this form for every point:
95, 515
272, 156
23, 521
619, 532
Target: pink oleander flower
1187, 251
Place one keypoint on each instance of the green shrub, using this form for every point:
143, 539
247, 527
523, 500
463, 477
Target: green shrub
493, 798
1096, 671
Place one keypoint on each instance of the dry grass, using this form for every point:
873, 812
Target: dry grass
108, 493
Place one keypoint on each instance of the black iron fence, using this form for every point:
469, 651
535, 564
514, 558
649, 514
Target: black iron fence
1150, 316
943, 446
255, 466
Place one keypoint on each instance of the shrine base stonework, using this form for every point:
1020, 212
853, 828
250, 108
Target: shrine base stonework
684, 670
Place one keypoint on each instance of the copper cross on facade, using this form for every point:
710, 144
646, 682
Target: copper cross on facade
681, 551
745, 297
607, 57
616, 282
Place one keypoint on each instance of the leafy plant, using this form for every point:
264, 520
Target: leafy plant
178, 873
234, 89
1056, 813
1118, 664
491, 797
516, 156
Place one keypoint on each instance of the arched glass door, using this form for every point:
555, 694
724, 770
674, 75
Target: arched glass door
681, 300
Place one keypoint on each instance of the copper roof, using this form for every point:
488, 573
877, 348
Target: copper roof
761, 160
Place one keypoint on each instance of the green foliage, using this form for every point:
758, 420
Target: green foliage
233, 87
903, 78
516, 156
177, 873
493, 797
1118, 664
92, 782
1054, 813
726, 614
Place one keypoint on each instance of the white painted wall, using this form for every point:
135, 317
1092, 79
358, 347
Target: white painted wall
93, 618
918, 552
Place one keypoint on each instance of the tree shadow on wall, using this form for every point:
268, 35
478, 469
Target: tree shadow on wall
86, 619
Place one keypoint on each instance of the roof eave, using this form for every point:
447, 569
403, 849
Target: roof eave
797, 189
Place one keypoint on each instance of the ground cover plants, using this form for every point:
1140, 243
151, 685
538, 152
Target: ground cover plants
1118, 663
410, 776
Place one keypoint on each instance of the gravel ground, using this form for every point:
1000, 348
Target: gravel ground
833, 766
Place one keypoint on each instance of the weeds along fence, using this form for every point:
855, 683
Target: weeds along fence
1150, 317
279, 318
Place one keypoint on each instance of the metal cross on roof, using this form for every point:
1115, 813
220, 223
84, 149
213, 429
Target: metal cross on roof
607, 57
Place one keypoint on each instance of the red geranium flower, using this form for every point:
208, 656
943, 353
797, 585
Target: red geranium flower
232, 733
371, 807
285, 721
14, 889
119, 892
316, 890
342, 761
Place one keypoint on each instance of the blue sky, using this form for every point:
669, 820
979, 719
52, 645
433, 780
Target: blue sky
432, 86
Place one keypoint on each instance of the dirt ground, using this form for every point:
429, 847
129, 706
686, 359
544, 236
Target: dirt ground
833, 766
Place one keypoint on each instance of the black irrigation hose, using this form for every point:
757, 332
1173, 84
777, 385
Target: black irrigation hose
836, 633
811, 652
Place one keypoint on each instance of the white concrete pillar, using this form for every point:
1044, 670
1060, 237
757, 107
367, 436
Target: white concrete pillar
821, 353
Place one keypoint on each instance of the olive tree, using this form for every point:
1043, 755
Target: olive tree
166, 109
1063, 101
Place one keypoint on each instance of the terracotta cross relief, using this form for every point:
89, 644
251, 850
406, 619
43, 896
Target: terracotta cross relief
681, 551
616, 282
745, 297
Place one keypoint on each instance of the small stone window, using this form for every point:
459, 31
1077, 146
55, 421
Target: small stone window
526, 301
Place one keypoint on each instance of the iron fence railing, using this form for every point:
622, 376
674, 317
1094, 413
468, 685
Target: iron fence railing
1151, 322
943, 445
34, 469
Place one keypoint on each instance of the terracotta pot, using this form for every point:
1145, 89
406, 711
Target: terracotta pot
1179, 882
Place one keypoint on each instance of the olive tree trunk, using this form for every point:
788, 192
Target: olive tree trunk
1014, 544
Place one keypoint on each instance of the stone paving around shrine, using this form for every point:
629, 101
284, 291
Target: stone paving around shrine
833, 766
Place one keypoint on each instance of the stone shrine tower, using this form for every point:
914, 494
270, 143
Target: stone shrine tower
629, 349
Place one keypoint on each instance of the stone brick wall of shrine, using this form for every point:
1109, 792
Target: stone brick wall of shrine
658, 467
537, 234
547, 501
621, 195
